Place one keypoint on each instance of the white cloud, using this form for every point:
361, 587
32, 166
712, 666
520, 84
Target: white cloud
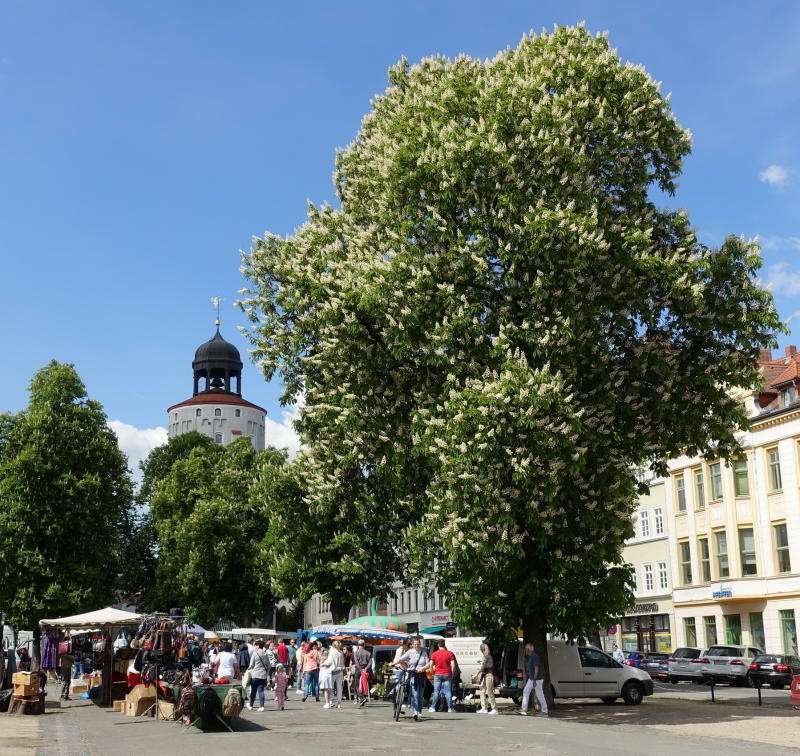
783, 280
775, 175
780, 242
137, 443
282, 434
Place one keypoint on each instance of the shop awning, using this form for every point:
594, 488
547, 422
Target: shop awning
435, 630
99, 620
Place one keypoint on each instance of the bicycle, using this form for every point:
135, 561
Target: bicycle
402, 693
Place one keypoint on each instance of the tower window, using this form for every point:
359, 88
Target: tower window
198, 412
217, 438
217, 412
238, 413
176, 416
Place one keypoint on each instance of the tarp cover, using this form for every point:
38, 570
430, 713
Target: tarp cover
102, 618
354, 631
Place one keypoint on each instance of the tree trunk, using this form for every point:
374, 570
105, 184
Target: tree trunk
533, 631
36, 651
340, 609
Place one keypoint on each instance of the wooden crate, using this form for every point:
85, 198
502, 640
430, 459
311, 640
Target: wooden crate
26, 690
119, 705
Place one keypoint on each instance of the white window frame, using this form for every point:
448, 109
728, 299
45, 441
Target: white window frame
658, 521
649, 579
775, 475
645, 521
663, 577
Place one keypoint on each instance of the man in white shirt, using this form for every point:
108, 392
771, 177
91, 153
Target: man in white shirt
618, 655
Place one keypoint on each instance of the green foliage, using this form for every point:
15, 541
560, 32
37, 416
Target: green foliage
209, 530
338, 544
65, 491
499, 324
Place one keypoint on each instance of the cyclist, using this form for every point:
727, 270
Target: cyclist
415, 661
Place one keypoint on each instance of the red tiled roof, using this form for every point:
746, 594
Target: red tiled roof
216, 397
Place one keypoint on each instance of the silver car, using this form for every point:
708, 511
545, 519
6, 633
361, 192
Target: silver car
683, 664
730, 663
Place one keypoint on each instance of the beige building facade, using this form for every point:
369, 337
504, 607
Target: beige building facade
735, 539
649, 623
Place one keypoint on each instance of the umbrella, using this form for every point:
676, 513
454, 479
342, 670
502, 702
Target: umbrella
378, 620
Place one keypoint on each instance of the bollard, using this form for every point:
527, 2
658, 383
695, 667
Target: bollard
757, 684
709, 680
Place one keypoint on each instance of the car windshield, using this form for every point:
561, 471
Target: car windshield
725, 651
767, 659
656, 657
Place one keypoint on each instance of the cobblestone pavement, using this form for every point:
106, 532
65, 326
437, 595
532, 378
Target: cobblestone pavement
656, 727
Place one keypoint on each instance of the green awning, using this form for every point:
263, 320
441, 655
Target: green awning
436, 630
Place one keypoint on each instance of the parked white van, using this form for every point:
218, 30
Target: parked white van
576, 671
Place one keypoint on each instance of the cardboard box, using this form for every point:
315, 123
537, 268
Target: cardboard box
78, 686
141, 692
138, 707
24, 691
23, 678
119, 705
166, 710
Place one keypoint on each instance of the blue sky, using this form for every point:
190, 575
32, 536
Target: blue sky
145, 143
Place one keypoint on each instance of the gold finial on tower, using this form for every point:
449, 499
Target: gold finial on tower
215, 302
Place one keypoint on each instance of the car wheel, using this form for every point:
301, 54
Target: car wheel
632, 693
608, 700
673, 680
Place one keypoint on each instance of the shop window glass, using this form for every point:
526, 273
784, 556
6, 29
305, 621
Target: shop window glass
710, 624
733, 629
699, 490
757, 637
705, 560
723, 565
782, 548
690, 631
775, 477
788, 631
715, 472
741, 483
747, 550
686, 562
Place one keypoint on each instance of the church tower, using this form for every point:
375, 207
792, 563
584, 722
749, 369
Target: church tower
215, 408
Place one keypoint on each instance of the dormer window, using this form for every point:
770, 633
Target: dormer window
788, 395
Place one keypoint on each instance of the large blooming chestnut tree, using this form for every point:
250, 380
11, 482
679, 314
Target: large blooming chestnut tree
499, 322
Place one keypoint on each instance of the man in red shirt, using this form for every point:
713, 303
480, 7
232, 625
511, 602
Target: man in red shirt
282, 652
443, 664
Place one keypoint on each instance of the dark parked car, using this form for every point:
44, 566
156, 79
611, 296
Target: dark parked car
634, 658
655, 664
775, 670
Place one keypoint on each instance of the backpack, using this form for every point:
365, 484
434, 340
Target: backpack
195, 654
232, 705
209, 706
187, 702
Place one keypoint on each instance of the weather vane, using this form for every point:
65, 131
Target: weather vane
215, 302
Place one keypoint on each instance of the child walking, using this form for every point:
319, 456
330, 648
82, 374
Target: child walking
281, 681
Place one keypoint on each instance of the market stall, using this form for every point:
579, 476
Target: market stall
100, 629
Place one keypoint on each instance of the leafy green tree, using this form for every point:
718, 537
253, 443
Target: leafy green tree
499, 323
336, 544
210, 530
64, 493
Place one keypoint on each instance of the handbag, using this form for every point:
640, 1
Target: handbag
64, 646
246, 678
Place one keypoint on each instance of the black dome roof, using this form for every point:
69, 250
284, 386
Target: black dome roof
217, 350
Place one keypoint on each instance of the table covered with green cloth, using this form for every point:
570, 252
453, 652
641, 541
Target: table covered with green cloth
220, 690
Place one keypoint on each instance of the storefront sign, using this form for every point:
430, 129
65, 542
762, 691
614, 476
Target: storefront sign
643, 609
440, 619
727, 593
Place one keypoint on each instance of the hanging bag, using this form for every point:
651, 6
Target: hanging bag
65, 645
